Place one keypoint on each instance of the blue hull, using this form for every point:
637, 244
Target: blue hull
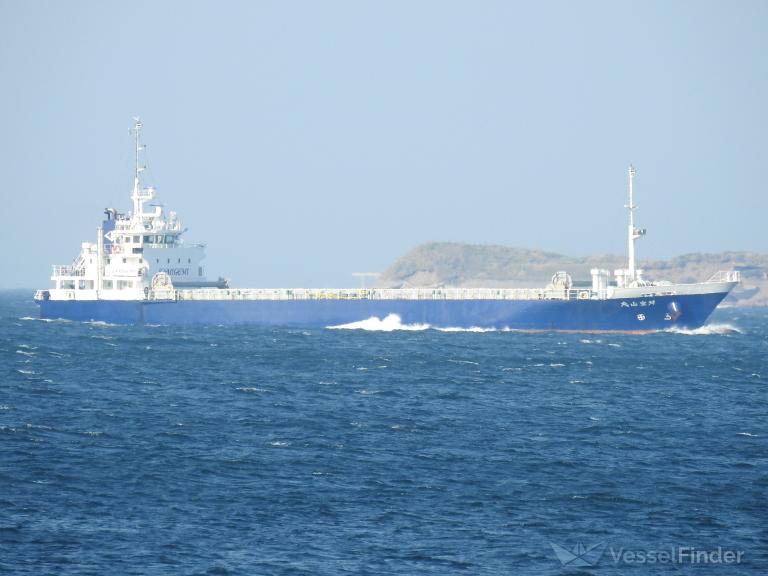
683, 311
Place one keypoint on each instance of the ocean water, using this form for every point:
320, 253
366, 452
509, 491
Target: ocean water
380, 450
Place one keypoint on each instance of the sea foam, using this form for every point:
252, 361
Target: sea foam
393, 322
708, 330
388, 324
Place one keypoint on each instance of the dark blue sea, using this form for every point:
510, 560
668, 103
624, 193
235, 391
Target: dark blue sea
245, 450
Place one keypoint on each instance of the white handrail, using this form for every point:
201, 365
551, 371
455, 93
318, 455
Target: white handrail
384, 294
726, 276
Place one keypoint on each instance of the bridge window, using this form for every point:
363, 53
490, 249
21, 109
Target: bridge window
136, 239
107, 284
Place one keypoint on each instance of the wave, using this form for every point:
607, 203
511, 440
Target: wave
100, 323
470, 329
708, 330
390, 323
393, 322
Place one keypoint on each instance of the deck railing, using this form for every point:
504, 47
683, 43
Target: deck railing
726, 276
382, 294
68, 271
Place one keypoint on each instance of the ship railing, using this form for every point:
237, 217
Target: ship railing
122, 249
127, 225
384, 294
726, 276
67, 271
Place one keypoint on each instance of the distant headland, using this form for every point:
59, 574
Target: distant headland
469, 265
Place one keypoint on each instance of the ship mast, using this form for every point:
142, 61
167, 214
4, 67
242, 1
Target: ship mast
136, 196
633, 233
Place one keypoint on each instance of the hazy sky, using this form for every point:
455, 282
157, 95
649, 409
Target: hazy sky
306, 140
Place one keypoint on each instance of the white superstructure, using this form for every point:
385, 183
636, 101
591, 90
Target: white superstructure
132, 248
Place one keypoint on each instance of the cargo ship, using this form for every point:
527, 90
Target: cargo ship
140, 270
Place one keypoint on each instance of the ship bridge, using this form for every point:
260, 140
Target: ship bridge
131, 248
